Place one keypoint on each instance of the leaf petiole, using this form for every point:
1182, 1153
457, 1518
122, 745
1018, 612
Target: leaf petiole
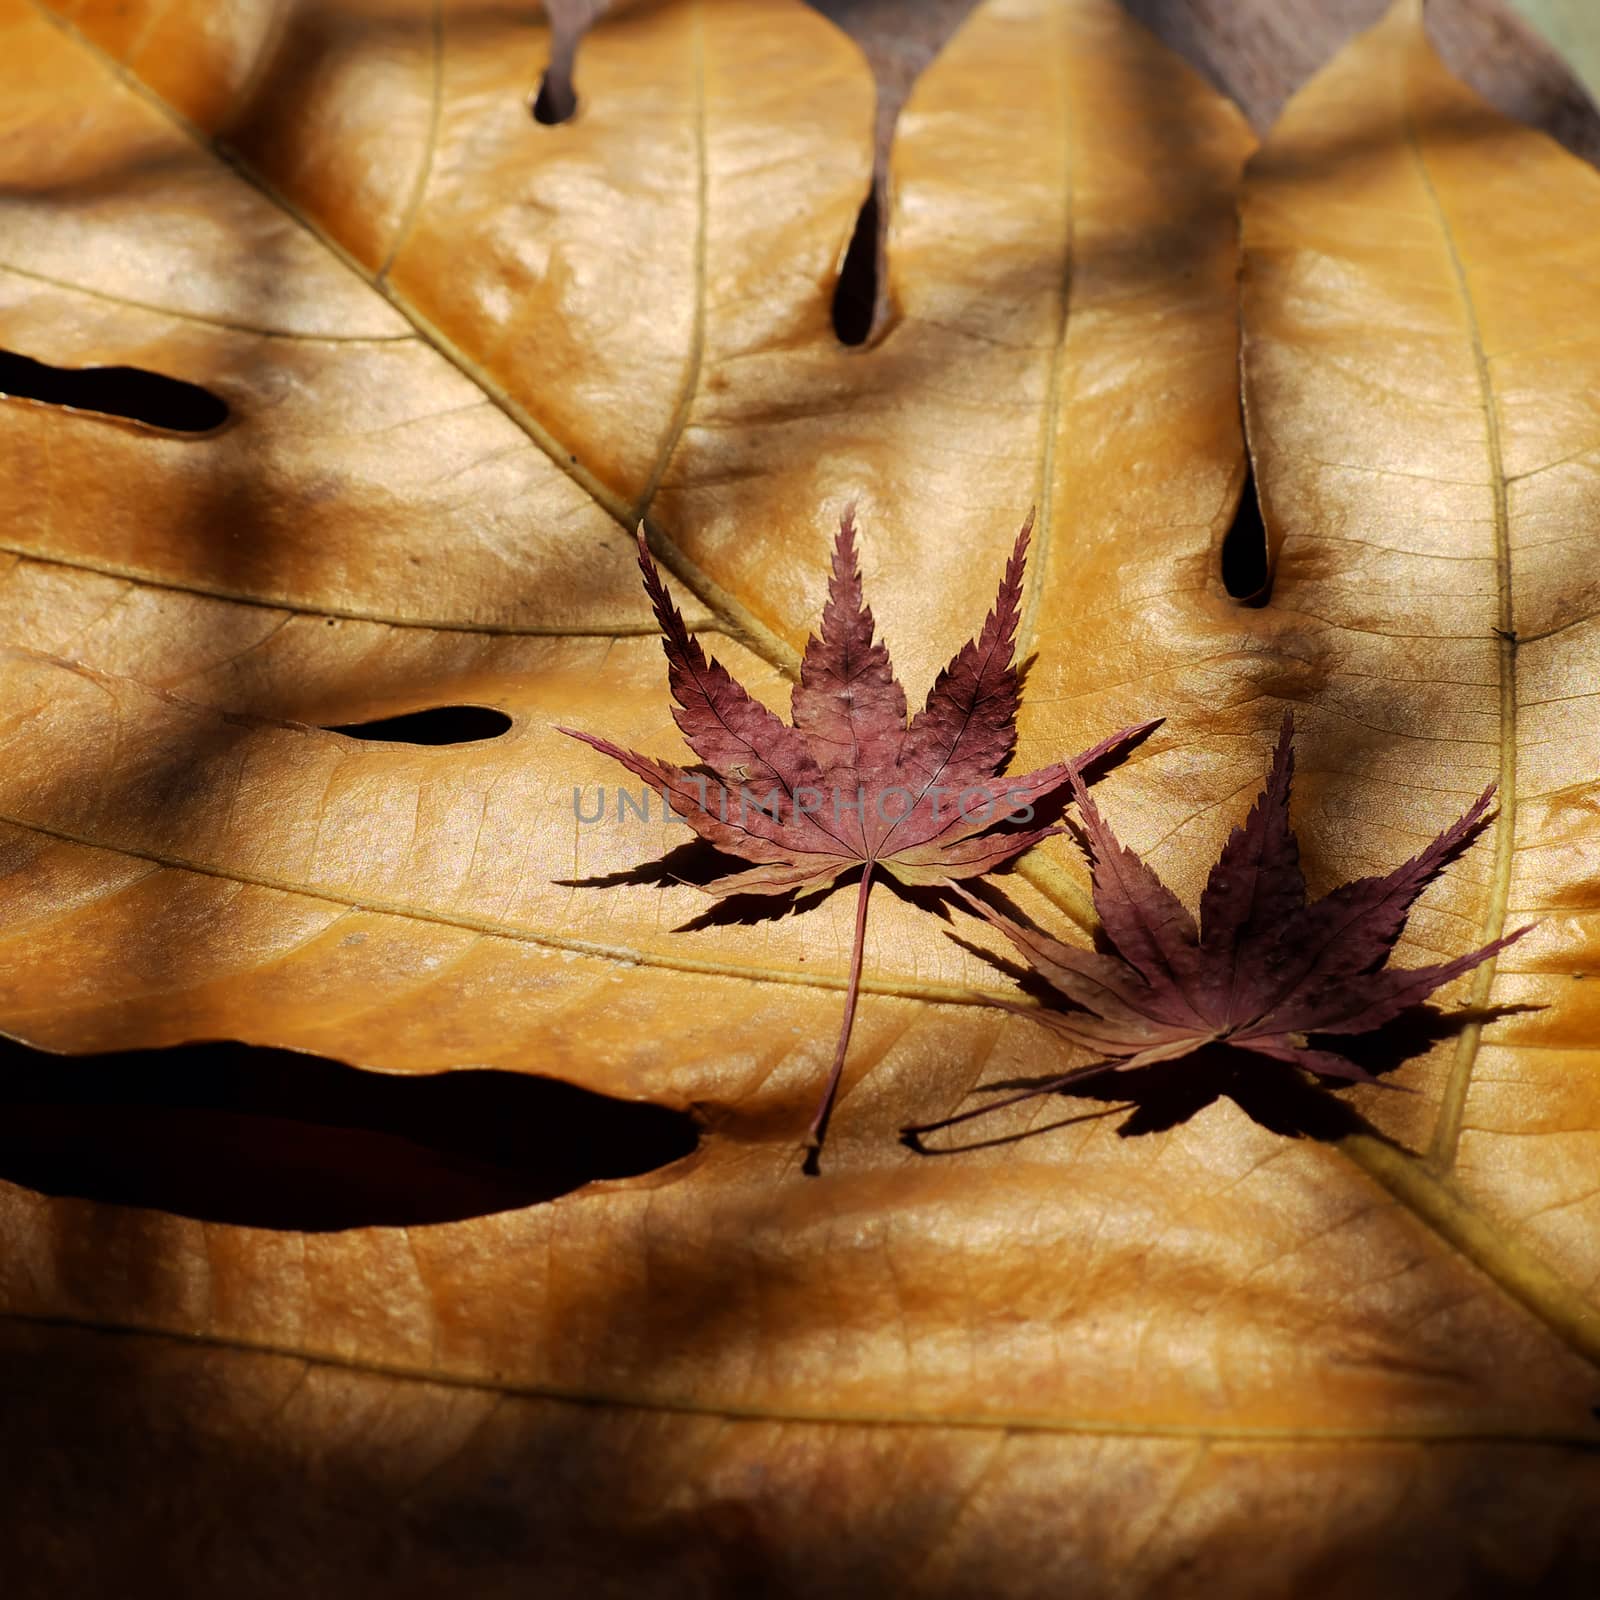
819, 1123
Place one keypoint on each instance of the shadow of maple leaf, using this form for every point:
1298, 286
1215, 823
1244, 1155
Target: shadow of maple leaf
1275, 1095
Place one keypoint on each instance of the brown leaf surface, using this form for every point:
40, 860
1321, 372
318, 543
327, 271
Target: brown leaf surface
462, 352
1435, 506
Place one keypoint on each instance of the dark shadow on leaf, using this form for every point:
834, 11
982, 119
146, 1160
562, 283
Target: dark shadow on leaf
696, 864
260, 1138
1051, 810
1271, 1093
927, 897
1161, 1097
745, 910
693, 862
1095, 770
1411, 1033
749, 910
913, 1141
990, 891
1025, 978
1274, 1094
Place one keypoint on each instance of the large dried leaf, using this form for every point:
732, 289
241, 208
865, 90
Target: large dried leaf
1434, 493
463, 352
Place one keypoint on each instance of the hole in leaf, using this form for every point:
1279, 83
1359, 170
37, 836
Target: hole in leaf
855, 295
557, 99
435, 725
263, 1138
1244, 549
131, 392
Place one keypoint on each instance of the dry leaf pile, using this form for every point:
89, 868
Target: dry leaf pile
461, 356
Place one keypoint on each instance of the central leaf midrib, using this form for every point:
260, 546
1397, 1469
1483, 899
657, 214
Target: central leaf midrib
736, 618
1452, 1104
419, 187
695, 356
958, 1422
1050, 418
904, 988
1046, 874
298, 608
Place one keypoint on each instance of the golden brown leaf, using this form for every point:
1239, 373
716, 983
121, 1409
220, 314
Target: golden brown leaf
1432, 495
1072, 1361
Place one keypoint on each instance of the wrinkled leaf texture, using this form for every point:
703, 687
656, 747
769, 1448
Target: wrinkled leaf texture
463, 353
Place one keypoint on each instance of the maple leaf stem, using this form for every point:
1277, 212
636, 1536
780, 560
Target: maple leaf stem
819, 1123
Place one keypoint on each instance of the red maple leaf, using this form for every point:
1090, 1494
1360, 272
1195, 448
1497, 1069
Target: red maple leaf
1263, 971
851, 785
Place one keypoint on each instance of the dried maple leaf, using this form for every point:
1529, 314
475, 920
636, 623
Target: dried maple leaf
851, 784
1262, 972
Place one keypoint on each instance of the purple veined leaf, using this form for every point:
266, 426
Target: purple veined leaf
856, 786
1261, 972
